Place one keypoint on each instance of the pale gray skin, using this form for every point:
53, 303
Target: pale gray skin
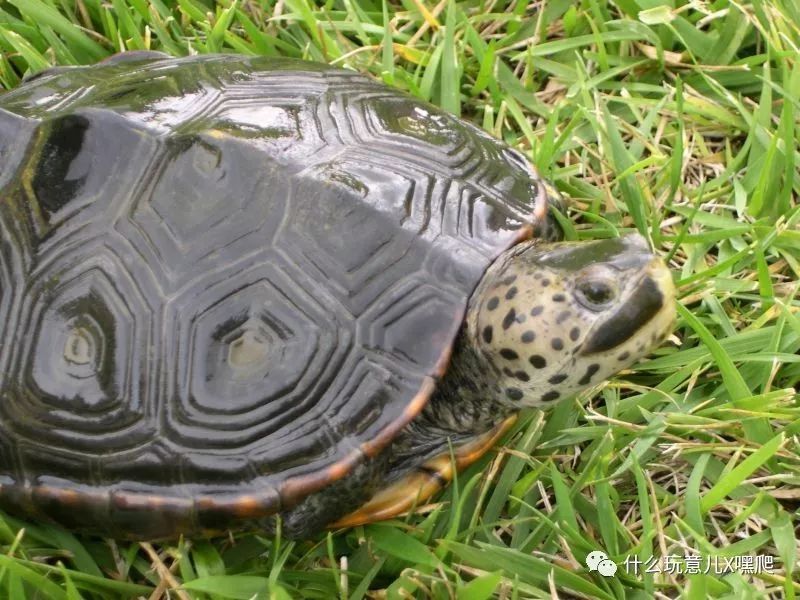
547, 321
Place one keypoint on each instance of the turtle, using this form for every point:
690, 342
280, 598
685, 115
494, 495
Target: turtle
242, 292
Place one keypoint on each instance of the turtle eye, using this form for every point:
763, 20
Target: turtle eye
596, 294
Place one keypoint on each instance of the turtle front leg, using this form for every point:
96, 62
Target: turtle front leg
419, 482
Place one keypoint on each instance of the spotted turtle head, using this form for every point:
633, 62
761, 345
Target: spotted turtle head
555, 318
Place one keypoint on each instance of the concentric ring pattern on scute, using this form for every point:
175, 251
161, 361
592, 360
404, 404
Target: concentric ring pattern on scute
223, 280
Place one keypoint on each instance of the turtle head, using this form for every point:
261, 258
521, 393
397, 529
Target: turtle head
555, 318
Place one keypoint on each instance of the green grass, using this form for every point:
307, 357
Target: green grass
678, 120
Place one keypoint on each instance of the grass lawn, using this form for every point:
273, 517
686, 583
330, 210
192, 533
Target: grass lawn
677, 119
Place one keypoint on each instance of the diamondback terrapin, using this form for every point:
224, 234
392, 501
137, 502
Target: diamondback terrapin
233, 288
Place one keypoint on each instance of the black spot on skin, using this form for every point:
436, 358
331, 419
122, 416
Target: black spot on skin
487, 334
563, 316
511, 293
514, 393
508, 280
557, 344
509, 318
545, 282
590, 371
574, 334
556, 379
522, 376
550, 396
528, 337
538, 361
509, 354
492, 303
559, 297
521, 318
508, 372
537, 310
624, 356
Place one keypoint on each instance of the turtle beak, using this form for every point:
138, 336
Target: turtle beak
661, 276
639, 257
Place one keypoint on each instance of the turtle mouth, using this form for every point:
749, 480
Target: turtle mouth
649, 309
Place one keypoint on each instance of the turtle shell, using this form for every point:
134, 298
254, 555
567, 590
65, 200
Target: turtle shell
225, 281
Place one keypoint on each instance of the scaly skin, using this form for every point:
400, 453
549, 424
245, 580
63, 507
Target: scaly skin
533, 337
